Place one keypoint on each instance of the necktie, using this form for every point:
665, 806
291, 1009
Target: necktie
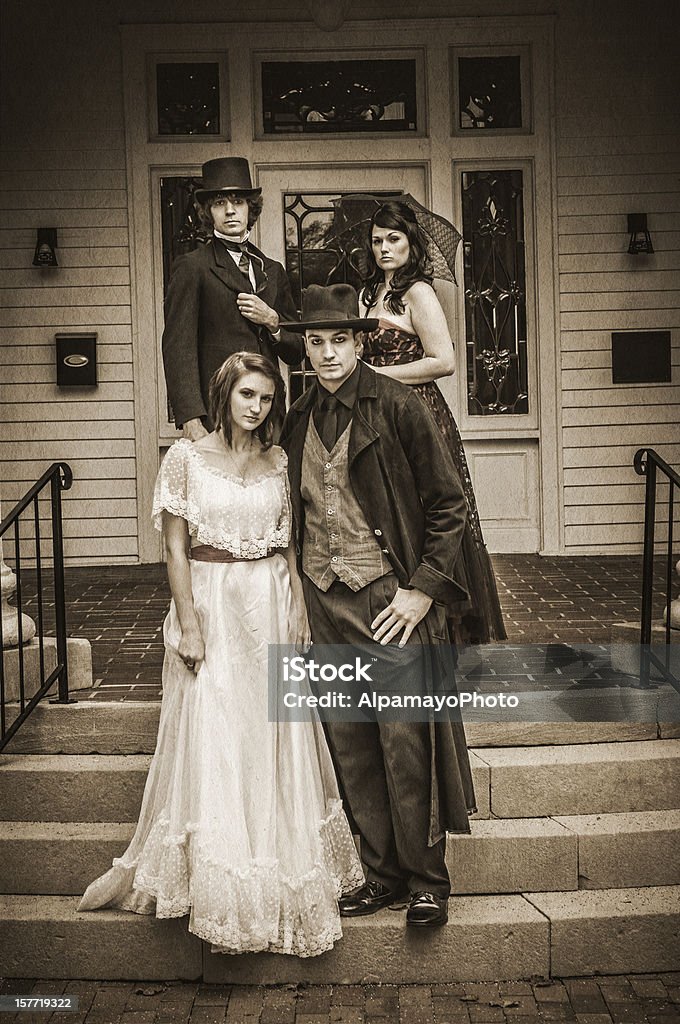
243, 260
329, 423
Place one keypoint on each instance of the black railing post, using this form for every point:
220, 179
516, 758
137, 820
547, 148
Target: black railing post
59, 590
20, 617
59, 478
646, 463
647, 466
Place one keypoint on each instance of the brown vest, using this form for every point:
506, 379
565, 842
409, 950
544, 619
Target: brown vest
337, 541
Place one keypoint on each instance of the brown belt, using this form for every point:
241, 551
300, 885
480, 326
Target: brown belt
205, 553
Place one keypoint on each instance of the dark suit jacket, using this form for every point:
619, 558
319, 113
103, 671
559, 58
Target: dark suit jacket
403, 477
406, 483
203, 325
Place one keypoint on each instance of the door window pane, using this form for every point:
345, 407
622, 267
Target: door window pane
188, 98
321, 97
315, 256
489, 92
495, 293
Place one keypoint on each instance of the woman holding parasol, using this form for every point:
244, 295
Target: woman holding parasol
409, 246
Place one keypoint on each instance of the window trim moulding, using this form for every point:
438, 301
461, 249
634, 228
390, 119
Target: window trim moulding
521, 50
188, 57
260, 57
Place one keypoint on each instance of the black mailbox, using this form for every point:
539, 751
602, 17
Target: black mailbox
77, 360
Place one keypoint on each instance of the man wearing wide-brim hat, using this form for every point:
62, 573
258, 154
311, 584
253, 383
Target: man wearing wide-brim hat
223, 297
379, 513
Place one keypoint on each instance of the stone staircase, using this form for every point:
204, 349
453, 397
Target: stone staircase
573, 866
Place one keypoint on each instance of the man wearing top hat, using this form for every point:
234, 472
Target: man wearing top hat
223, 297
379, 513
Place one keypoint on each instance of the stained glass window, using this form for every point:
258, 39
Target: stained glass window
495, 293
489, 92
317, 97
188, 98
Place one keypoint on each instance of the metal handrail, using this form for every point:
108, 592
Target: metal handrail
58, 478
649, 463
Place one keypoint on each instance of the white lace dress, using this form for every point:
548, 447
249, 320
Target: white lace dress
241, 824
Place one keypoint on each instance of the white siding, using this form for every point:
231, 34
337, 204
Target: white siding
63, 166
618, 152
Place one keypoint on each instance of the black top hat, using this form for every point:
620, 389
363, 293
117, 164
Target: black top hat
334, 306
226, 174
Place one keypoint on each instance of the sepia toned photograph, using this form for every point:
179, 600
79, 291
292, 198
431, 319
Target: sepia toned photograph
340, 512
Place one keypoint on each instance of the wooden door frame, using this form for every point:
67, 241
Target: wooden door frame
146, 155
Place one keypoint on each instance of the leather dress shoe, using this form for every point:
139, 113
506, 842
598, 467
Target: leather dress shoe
372, 896
426, 910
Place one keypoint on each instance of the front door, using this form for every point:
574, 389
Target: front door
491, 378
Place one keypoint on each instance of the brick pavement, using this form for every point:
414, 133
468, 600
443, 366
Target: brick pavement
551, 600
632, 999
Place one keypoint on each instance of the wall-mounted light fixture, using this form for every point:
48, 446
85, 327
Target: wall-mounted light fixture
640, 238
328, 15
44, 255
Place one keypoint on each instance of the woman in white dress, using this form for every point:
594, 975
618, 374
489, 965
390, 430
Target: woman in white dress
241, 824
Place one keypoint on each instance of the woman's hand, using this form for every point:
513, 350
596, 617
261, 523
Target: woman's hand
303, 634
191, 649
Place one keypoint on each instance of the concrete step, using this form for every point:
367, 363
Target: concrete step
502, 856
104, 787
45, 937
589, 778
58, 858
632, 849
510, 782
91, 727
72, 787
612, 931
487, 938
515, 855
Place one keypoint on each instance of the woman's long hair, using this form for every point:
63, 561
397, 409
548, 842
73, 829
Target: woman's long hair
398, 217
225, 379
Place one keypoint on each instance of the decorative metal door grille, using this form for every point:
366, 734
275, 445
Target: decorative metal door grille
180, 228
495, 293
314, 256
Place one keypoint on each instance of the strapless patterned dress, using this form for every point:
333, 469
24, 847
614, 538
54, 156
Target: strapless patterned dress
480, 619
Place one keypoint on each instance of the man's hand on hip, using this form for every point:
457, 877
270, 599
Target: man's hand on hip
405, 611
258, 312
193, 429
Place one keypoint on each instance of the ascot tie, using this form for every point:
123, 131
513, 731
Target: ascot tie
329, 423
243, 260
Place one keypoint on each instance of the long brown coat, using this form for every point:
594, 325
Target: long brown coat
407, 486
203, 324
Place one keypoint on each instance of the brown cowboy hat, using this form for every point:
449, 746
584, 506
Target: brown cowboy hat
226, 174
335, 305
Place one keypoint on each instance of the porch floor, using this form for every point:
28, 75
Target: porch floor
556, 601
